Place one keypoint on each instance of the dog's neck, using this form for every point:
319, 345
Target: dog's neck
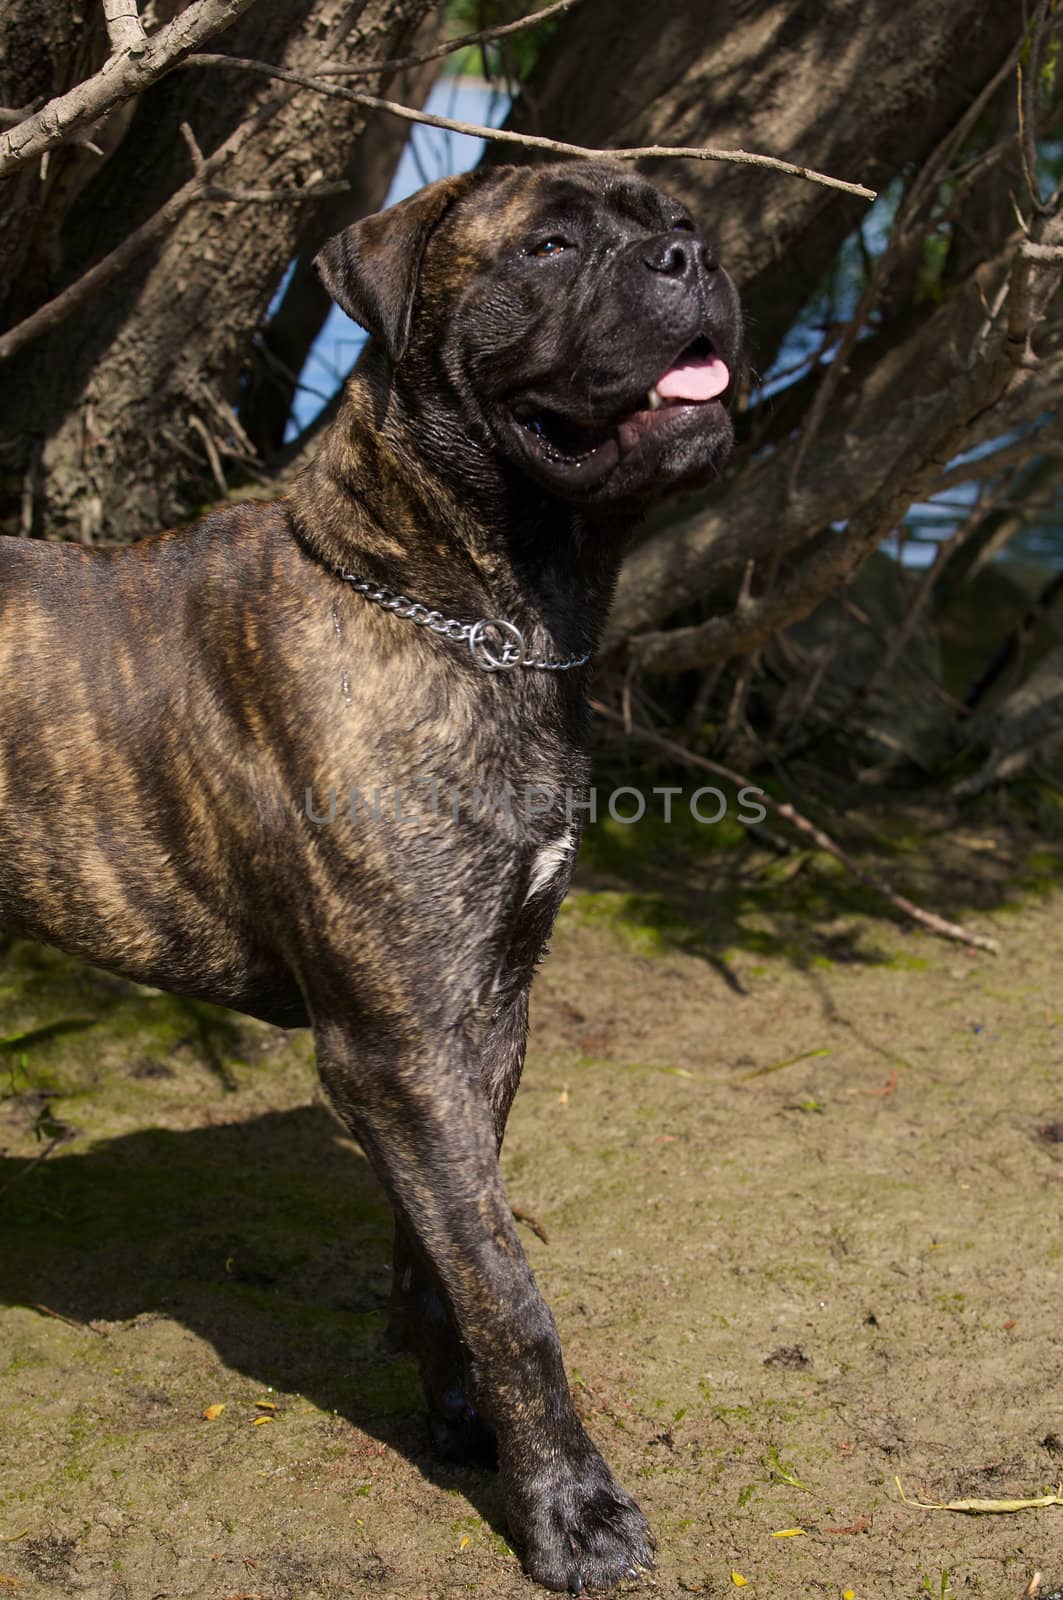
460, 531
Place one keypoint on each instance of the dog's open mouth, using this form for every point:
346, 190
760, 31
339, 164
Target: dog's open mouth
696, 378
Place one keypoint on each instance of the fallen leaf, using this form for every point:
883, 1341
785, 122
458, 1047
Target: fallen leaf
738, 1580
787, 1533
266, 1405
258, 1421
464, 1541
212, 1412
14, 1582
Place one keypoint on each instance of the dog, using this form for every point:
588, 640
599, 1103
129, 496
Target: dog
551, 350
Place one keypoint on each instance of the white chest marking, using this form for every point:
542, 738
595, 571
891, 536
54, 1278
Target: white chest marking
549, 862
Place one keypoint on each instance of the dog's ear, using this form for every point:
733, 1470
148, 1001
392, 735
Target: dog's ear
371, 268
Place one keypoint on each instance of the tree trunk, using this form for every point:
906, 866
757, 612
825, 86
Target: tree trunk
287, 338
43, 52
121, 420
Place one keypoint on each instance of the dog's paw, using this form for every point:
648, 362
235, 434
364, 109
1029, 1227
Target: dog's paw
580, 1532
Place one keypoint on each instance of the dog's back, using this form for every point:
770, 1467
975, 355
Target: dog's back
130, 873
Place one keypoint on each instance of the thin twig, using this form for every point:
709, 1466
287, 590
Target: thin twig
217, 470
11, 116
82, 1327
924, 588
56, 310
485, 36
1040, 441
24, 1172
530, 141
704, 693
530, 1222
117, 82
1026, 97
906, 231
926, 919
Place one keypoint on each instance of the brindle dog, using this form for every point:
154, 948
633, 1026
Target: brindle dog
551, 349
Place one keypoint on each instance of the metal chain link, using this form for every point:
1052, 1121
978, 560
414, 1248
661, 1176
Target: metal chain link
506, 649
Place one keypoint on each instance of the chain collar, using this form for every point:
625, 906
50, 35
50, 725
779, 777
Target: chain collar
494, 644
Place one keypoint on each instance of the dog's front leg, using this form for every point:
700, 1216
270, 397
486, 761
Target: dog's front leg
420, 1320
426, 1123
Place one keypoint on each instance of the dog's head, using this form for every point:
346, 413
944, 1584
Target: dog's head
571, 317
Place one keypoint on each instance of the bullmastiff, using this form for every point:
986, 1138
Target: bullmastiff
241, 760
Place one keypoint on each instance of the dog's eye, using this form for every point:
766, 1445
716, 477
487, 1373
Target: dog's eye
549, 247
682, 225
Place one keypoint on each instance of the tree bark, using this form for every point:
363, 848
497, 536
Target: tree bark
287, 338
118, 423
43, 51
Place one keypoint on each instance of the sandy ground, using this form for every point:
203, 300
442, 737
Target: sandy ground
801, 1172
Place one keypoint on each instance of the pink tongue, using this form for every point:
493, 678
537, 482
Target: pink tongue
696, 380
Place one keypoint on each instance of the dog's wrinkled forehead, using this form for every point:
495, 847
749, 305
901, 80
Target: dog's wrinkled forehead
603, 196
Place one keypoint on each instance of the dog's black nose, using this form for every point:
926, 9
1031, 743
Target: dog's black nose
671, 257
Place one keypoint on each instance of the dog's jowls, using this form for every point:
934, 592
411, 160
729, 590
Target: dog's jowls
551, 349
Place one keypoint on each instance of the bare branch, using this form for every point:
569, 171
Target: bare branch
1026, 93
117, 82
217, 470
124, 27
1041, 252
910, 226
289, 196
1042, 440
485, 36
898, 641
56, 310
782, 808
11, 116
373, 102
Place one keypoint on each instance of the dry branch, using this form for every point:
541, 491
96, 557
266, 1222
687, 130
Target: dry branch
56, 310
1042, 440
464, 42
87, 102
530, 141
782, 808
910, 227
124, 27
